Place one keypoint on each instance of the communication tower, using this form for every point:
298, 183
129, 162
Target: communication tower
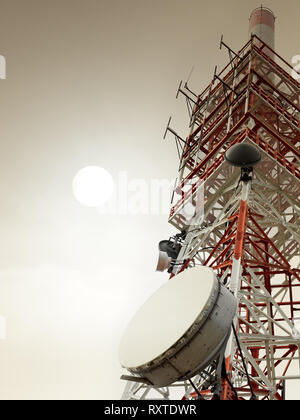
249, 230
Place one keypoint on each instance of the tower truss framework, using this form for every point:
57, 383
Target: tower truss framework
254, 99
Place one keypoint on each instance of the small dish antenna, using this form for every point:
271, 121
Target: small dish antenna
243, 155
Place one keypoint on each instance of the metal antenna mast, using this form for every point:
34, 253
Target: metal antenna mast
255, 101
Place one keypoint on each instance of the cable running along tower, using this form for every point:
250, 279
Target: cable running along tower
249, 232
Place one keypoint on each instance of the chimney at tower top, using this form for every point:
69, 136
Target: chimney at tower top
262, 24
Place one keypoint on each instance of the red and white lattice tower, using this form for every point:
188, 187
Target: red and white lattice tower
250, 231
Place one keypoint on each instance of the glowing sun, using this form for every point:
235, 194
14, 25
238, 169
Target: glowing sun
93, 186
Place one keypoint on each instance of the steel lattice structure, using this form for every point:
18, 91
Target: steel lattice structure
254, 99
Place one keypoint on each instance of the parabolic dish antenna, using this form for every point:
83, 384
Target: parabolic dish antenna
180, 329
243, 155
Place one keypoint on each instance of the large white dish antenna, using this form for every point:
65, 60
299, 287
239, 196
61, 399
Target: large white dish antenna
180, 329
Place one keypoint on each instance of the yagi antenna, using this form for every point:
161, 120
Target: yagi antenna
190, 74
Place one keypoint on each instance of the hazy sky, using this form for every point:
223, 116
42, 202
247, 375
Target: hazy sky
93, 82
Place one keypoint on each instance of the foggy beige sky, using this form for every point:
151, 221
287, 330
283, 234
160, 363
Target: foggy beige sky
93, 82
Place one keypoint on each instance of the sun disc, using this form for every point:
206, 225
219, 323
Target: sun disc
93, 186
